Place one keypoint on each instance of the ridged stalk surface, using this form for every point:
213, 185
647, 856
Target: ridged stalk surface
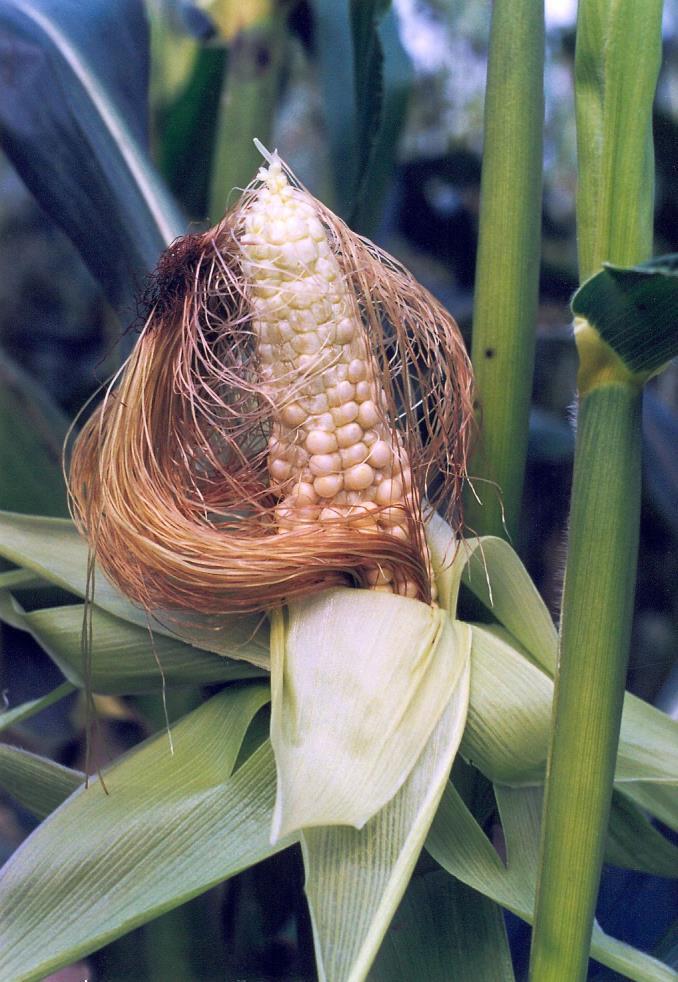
507, 275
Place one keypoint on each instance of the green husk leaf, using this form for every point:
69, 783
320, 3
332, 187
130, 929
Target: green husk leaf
460, 846
171, 826
17, 714
359, 680
634, 311
442, 930
507, 729
38, 784
125, 658
491, 569
52, 548
355, 878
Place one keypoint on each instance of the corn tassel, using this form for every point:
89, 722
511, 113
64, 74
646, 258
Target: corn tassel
293, 400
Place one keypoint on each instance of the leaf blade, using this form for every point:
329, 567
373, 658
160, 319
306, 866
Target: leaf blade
356, 877
170, 828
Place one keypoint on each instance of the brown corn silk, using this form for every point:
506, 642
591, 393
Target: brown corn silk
172, 478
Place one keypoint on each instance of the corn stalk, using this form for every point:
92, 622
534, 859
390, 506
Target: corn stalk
614, 217
507, 275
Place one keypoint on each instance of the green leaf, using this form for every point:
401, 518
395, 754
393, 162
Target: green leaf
648, 743
38, 784
460, 846
53, 549
187, 130
509, 717
355, 878
444, 930
359, 680
634, 843
661, 800
334, 39
171, 826
510, 714
32, 432
247, 108
634, 312
491, 569
10, 717
351, 77
80, 146
391, 85
125, 658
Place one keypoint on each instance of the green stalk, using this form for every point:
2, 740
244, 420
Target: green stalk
507, 276
617, 62
248, 103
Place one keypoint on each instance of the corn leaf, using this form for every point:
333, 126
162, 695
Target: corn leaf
172, 826
634, 312
491, 569
390, 78
648, 742
661, 800
356, 90
32, 431
80, 147
460, 846
125, 658
10, 717
355, 878
634, 843
443, 930
507, 729
510, 712
38, 784
359, 680
53, 549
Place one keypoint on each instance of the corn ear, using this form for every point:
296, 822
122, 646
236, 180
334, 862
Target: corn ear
294, 398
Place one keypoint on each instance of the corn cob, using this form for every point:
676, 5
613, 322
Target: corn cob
294, 398
332, 455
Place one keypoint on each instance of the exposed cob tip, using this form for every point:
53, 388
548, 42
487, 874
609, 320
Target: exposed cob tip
289, 407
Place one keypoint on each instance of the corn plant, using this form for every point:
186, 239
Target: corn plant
268, 496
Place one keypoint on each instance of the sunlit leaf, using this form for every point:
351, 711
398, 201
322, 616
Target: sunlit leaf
171, 826
359, 679
509, 713
491, 569
355, 878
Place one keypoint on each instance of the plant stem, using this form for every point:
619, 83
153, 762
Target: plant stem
507, 275
597, 614
614, 220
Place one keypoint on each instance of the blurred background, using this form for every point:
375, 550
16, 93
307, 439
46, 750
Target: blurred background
221, 71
